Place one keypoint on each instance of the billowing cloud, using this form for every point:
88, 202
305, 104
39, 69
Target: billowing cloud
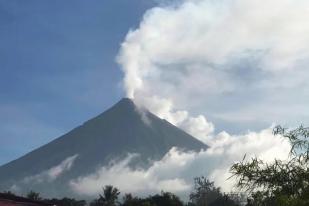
128, 180
176, 170
198, 126
232, 60
53, 173
213, 35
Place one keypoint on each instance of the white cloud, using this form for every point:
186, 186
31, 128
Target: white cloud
220, 57
199, 127
176, 170
128, 180
53, 173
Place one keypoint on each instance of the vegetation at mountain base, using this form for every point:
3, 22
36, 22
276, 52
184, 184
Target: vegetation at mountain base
204, 194
109, 197
33, 196
281, 183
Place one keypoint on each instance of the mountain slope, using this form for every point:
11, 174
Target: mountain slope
120, 130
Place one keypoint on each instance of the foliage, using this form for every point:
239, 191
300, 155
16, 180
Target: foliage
129, 200
8, 193
281, 182
108, 198
165, 198
206, 194
204, 190
34, 196
67, 202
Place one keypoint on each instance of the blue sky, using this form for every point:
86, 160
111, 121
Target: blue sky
57, 64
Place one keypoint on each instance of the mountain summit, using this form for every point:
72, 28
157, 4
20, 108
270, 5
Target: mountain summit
117, 132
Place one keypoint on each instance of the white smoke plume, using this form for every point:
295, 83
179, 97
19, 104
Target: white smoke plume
245, 60
234, 60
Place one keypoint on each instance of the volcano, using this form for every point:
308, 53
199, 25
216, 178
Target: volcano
121, 130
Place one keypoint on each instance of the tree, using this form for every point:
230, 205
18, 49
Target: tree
8, 193
206, 194
95, 203
67, 202
129, 200
166, 198
34, 196
108, 198
282, 182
